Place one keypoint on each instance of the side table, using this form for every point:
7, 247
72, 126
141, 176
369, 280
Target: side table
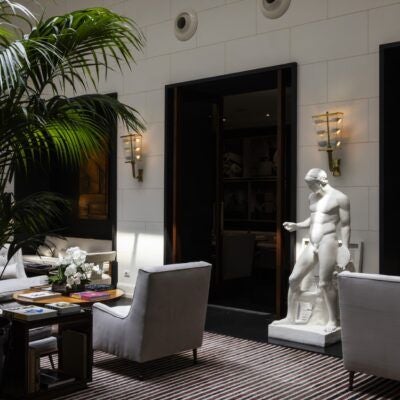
114, 294
75, 354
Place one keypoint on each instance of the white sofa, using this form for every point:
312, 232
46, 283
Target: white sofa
15, 278
99, 252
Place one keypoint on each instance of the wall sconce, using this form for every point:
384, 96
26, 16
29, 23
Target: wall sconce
329, 128
133, 153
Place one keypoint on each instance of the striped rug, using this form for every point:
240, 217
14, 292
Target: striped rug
231, 368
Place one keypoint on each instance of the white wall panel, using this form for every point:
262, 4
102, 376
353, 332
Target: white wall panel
299, 12
169, 44
383, 26
353, 78
334, 41
272, 48
198, 63
339, 7
373, 119
144, 205
178, 6
313, 88
226, 23
373, 202
329, 39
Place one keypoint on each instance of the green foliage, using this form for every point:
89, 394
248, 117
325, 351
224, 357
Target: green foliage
24, 223
38, 121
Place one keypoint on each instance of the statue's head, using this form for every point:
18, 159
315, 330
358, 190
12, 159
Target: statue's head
316, 178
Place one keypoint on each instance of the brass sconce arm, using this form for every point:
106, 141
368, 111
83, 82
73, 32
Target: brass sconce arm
334, 163
136, 175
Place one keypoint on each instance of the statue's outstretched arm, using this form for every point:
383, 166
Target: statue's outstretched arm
293, 226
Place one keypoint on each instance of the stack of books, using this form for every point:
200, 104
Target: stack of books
64, 308
29, 313
90, 295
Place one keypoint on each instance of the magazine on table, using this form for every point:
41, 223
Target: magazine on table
38, 295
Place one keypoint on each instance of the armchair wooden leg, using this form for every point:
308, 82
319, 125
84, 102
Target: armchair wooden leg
351, 380
194, 356
51, 361
141, 372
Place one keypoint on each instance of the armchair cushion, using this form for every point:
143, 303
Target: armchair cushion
118, 312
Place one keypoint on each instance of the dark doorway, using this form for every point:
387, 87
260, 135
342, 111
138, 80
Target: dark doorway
389, 143
230, 182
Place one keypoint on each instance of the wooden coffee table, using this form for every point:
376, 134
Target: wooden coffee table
114, 295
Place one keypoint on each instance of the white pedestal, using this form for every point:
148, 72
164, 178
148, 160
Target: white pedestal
306, 334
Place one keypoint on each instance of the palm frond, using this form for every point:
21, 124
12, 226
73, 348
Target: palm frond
30, 219
71, 51
11, 59
13, 8
87, 40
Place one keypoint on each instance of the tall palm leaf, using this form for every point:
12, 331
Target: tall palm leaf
70, 52
12, 51
27, 221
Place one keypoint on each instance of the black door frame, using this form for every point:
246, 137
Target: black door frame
387, 265
289, 172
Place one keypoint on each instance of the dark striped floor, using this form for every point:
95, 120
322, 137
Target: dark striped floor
232, 368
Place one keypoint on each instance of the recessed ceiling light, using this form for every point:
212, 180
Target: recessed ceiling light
268, 115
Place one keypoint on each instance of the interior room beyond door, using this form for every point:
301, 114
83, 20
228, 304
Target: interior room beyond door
230, 182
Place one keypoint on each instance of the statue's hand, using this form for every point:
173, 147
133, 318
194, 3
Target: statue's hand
343, 257
290, 226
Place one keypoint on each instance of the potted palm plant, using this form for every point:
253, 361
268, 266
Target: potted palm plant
65, 54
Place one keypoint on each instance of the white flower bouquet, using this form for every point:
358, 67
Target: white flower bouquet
72, 269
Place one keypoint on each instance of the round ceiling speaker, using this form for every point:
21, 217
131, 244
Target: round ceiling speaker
185, 25
274, 8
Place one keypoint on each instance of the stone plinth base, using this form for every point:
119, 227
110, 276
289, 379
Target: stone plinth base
306, 334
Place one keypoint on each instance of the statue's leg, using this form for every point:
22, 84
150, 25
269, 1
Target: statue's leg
327, 260
302, 267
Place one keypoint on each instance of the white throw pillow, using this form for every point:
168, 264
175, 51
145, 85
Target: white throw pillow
10, 272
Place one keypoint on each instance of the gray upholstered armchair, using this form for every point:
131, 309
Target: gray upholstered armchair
370, 320
167, 314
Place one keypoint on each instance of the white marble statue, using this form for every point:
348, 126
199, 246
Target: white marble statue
330, 212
